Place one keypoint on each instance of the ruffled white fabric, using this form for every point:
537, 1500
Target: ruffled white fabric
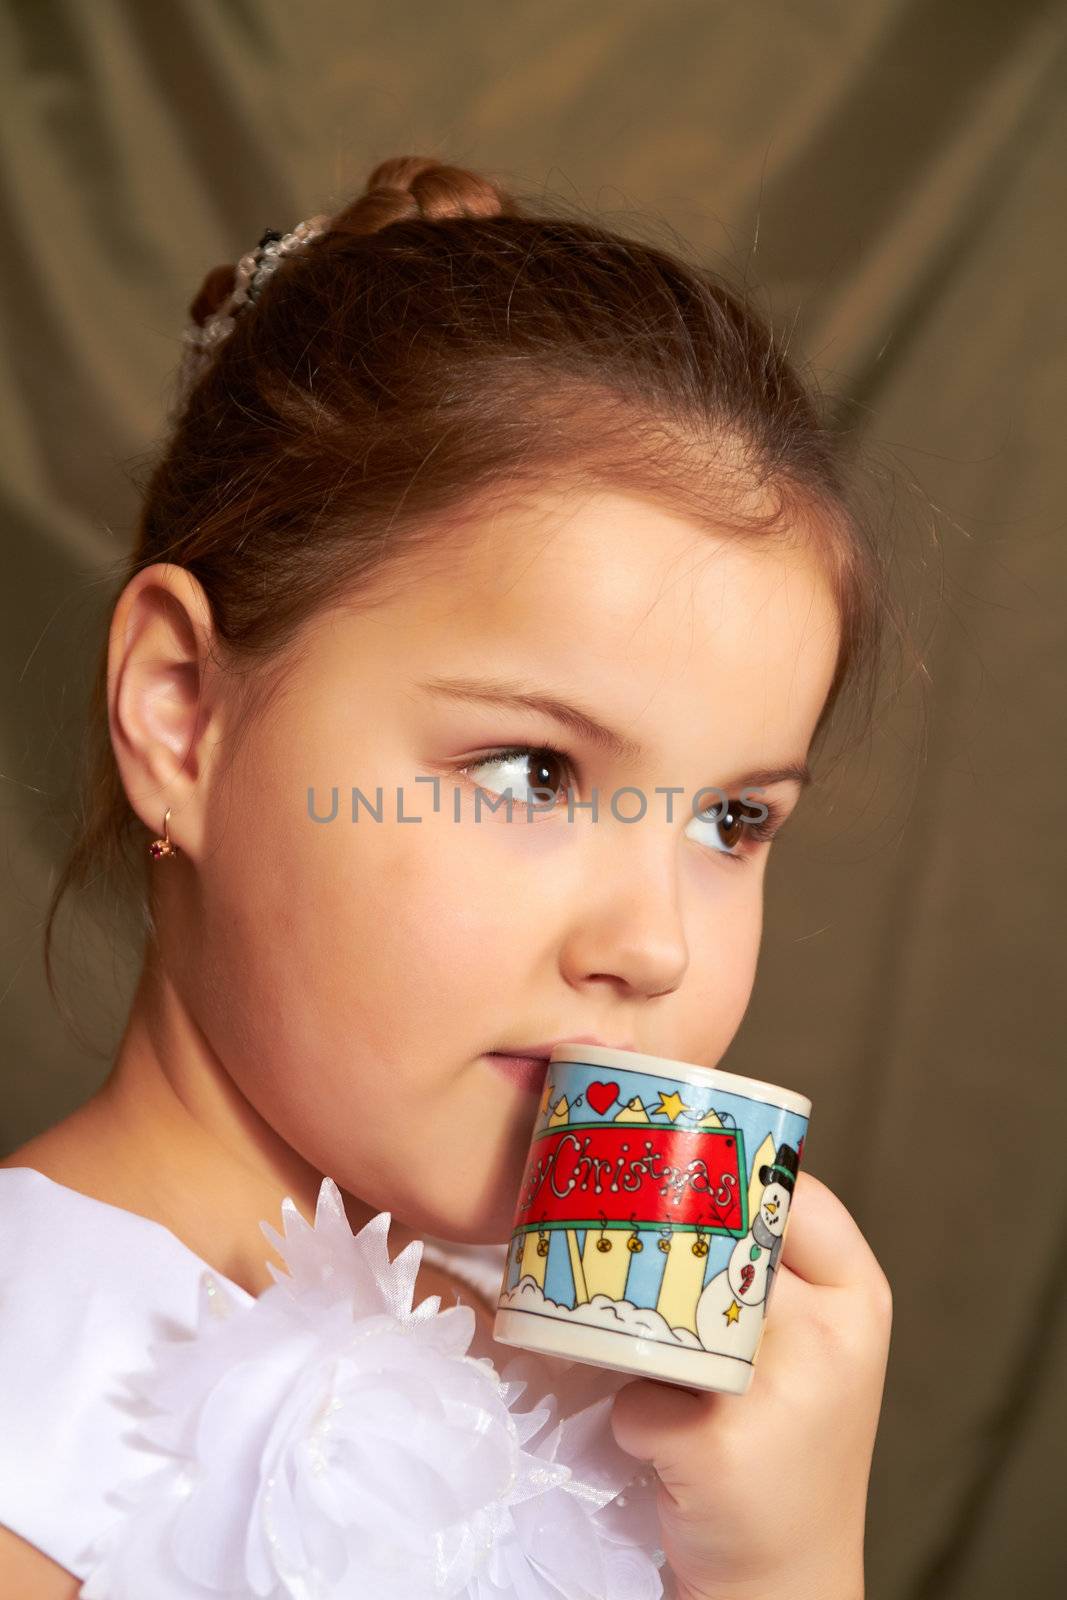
327, 1440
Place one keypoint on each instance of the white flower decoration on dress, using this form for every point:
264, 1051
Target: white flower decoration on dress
326, 1441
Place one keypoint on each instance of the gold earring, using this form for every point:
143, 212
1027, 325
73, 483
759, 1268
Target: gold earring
163, 847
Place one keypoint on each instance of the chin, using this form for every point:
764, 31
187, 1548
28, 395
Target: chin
472, 1220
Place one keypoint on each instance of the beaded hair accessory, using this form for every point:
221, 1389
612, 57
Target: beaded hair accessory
253, 270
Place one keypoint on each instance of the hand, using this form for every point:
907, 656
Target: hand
766, 1493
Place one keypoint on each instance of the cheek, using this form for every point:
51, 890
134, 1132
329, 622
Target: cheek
725, 929
370, 942
442, 904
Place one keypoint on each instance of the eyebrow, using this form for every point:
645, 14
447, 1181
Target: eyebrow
518, 696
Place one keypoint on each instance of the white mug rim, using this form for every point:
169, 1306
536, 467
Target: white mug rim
688, 1072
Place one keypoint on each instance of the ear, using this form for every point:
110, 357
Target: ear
164, 718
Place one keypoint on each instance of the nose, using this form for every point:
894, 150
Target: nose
629, 929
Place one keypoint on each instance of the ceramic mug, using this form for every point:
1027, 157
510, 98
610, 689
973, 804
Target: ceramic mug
651, 1217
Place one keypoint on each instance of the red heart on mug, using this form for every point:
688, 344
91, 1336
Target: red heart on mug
601, 1096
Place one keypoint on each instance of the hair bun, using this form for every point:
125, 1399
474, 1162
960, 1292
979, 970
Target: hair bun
403, 188
399, 189
213, 292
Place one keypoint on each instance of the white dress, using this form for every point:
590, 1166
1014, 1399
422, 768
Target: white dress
164, 1435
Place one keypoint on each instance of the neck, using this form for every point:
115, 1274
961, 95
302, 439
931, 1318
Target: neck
170, 1136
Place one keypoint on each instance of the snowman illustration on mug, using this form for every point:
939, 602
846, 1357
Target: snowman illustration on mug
731, 1309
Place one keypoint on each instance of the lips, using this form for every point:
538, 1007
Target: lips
544, 1050
528, 1071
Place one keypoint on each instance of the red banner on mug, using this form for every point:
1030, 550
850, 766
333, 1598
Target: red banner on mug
582, 1174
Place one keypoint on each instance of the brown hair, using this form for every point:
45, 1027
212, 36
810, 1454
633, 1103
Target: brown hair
437, 345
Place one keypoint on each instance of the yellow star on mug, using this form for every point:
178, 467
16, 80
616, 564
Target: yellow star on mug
671, 1105
732, 1312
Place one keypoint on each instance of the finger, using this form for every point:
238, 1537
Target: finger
658, 1422
823, 1243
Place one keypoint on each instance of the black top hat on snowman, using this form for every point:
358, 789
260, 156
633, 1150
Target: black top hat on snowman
783, 1169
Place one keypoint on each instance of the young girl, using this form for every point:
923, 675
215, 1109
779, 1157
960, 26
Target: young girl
460, 502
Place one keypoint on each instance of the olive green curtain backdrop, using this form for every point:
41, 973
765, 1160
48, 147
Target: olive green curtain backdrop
889, 173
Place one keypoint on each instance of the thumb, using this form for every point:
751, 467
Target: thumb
659, 1422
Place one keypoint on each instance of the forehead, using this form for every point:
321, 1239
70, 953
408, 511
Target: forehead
631, 606
618, 563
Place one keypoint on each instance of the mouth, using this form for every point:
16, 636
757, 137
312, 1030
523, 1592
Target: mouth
529, 1072
527, 1064
545, 1049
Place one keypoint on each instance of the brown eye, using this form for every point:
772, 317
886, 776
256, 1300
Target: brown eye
529, 772
548, 772
724, 826
732, 823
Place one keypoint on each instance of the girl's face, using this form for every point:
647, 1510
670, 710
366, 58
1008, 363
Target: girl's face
353, 975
